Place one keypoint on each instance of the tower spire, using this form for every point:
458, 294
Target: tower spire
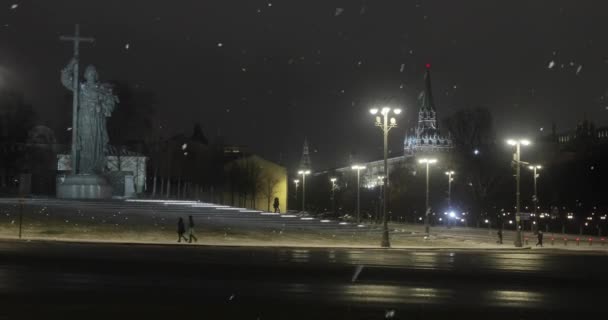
305, 160
426, 96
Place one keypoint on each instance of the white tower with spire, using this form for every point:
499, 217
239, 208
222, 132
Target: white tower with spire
426, 137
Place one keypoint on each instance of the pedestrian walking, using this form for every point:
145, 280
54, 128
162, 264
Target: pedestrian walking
540, 238
181, 229
499, 236
191, 230
276, 205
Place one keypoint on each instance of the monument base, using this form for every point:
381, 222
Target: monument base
84, 186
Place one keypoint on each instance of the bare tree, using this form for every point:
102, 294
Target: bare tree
269, 187
476, 156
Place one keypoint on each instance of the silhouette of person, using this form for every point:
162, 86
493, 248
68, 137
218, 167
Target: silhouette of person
499, 236
540, 238
276, 205
191, 230
181, 229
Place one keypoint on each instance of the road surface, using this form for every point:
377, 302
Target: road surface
54, 279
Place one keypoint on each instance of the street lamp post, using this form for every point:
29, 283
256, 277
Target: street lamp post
383, 123
450, 179
381, 184
358, 168
304, 173
297, 183
534, 168
333, 195
517, 160
428, 162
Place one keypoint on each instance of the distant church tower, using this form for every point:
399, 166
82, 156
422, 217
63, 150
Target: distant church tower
305, 160
426, 137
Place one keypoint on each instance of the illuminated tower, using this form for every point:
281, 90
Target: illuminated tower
426, 137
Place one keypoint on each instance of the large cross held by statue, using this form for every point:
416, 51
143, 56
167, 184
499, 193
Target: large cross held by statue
76, 39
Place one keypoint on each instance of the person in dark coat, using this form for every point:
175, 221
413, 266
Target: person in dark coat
540, 238
191, 230
276, 205
181, 229
499, 236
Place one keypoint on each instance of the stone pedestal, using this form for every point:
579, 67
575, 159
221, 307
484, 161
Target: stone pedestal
83, 186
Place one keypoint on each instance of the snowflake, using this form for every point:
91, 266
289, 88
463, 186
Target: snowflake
219, 44
551, 64
578, 70
184, 146
389, 314
14, 6
402, 66
339, 11
127, 46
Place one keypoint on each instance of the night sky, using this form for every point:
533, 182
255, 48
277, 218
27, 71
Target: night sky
267, 73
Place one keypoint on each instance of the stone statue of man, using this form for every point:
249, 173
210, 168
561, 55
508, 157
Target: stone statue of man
96, 103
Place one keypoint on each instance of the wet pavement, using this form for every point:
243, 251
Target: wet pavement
163, 281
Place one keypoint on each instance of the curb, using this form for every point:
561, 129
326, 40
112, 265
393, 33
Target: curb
203, 245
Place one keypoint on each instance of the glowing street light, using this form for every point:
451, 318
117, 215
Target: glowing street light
450, 179
534, 168
333, 190
358, 168
304, 173
517, 144
297, 183
427, 162
385, 125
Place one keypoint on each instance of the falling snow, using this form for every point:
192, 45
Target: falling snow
14, 6
578, 70
402, 66
339, 11
389, 314
357, 273
127, 46
184, 146
551, 64
219, 44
